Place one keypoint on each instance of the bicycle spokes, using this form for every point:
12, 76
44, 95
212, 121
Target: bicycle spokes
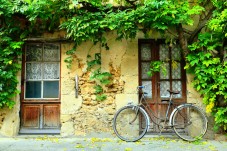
189, 123
127, 124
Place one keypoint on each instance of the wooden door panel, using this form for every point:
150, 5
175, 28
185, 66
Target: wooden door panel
49, 113
154, 112
31, 114
162, 108
51, 116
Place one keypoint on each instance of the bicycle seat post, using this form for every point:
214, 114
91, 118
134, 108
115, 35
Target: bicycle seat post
171, 97
170, 103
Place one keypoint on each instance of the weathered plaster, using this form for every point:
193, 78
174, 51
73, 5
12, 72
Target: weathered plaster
9, 118
194, 97
84, 115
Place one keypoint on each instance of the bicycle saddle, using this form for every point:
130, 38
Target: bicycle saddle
173, 92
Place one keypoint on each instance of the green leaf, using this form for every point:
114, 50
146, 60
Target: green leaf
101, 97
98, 89
198, 87
105, 82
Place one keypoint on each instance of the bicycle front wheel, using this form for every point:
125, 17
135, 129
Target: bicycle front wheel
189, 122
127, 125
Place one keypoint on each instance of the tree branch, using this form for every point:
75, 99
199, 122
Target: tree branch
182, 39
131, 2
189, 32
202, 23
174, 34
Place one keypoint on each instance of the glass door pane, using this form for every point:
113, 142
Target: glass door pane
34, 52
146, 57
172, 77
148, 88
33, 89
51, 70
50, 89
33, 71
50, 52
145, 52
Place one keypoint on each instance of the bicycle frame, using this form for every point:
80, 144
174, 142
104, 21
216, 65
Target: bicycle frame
151, 114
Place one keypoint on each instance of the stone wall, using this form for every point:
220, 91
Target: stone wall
84, 115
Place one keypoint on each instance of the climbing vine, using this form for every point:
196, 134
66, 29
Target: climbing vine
89, 20
102, 79
156, 66
207, 61
10, 50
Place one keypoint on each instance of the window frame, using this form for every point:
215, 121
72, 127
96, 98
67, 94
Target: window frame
42, 80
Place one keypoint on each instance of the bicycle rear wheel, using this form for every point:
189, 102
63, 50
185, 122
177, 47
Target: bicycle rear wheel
126, 123
189, 122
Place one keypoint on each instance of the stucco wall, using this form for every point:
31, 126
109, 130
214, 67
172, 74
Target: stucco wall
9, 118
194, 97
84, 115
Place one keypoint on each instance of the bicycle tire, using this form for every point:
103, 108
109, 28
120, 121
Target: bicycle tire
126, 123
189, 122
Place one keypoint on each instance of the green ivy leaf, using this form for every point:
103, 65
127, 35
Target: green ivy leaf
101, 97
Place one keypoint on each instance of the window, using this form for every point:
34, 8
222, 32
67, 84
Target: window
173, 78
42, 70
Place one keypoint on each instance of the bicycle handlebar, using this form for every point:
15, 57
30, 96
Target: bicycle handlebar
141, 87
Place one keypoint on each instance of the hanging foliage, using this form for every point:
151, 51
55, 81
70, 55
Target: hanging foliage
89, 20
207, 60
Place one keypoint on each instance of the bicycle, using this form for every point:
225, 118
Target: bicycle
187, 120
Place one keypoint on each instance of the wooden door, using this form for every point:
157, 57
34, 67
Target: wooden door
40, 97
157, 85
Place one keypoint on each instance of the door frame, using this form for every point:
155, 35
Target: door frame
38, 102
155, 101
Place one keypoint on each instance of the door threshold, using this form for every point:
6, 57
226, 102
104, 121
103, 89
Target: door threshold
39, 131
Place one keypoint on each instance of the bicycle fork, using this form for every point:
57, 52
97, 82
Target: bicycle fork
137, 109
